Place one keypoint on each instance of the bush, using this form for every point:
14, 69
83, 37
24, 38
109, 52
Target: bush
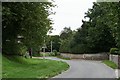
114, 51
52, 54
56, 53
11, 48
78, 49
36, 55
21, 49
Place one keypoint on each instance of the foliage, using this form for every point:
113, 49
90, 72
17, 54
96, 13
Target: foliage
37, 55
20, 67
41, 54
66, 33
65, 37
100, 32
110, 64
52, 54
114, 51
22, 49
64, 47
26, 22
119, 78
55, 43
78, 49
55, 52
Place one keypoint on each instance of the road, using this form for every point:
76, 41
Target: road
85, 69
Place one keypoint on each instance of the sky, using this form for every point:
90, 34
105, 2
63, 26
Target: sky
69, 13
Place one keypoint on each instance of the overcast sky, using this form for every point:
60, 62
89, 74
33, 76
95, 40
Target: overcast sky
69, 13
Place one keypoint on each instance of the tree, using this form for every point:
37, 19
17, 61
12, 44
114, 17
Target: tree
28, 20
97, 34
55, 43
65, 38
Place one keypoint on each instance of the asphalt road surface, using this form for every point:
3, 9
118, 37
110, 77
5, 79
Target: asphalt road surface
85, 69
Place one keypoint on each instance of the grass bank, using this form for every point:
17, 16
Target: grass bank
19, 67
65, 58
110, 64
0, 65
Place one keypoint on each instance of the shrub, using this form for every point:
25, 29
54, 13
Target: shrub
22, 49
52, 54
36, 55
11, 48
55, 52
114, 51
78, 49
58, 53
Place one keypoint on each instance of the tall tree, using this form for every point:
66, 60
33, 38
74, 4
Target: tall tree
28, 20
65, 38
97, 34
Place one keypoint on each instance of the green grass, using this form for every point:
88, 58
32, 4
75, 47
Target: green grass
42, 54
19, 67
110, 64
0, 65
63, 58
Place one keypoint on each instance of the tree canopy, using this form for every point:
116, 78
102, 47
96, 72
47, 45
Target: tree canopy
25, 24
100, 32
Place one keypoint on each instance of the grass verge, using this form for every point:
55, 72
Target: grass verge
110, 64
63, 58
0, 66
19, 67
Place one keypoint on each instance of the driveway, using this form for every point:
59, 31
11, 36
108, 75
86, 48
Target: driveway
85, 69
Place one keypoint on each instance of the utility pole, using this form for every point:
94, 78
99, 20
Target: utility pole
51, 46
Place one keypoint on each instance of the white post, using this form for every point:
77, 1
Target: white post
51, 46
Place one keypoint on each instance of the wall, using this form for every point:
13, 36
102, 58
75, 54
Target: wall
119, 61
115, 59
97, 56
